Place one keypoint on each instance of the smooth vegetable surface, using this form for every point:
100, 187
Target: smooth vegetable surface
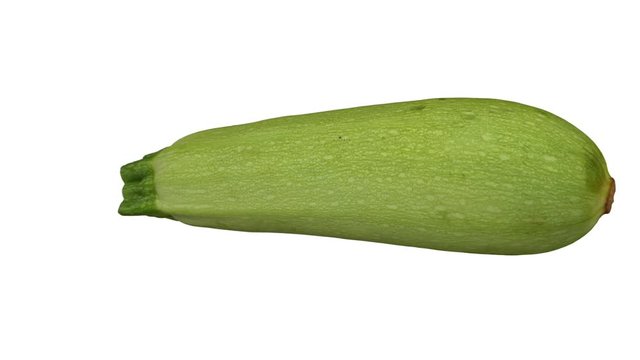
459, 174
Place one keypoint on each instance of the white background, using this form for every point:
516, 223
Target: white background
86, 86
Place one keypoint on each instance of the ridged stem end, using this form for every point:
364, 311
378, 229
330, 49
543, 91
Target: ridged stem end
139, 192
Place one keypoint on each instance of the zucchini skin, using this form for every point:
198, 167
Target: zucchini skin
458, 174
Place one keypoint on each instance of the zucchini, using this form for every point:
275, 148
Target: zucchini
458, 174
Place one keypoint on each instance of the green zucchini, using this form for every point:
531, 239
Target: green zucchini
457, 174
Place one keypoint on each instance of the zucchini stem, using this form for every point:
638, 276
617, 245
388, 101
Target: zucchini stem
139, 191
